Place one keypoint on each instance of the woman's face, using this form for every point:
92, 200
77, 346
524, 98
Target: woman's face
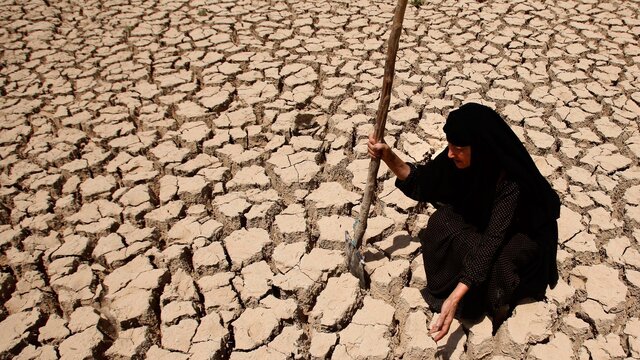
461, 155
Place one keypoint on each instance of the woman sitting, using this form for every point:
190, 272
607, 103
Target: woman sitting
492, 240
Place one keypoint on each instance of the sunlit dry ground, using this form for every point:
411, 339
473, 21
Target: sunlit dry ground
177, 176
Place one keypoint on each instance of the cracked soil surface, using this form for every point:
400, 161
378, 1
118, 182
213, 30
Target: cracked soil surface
176, 176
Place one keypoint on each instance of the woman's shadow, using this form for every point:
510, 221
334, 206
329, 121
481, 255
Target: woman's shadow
446, 351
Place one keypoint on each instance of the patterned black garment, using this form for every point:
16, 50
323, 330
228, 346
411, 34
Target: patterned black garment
495, 226
454, 251
501, 265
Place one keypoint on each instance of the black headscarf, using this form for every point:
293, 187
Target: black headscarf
496, 151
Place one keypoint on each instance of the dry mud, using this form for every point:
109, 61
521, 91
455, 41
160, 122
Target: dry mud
177, 176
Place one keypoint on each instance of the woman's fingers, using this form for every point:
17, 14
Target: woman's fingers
433, 328
442, 332
438, 324
372, 151
375, 149
441, 327
437, 327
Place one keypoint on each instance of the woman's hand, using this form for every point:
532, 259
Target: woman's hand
440, 328
377, 150
382, 151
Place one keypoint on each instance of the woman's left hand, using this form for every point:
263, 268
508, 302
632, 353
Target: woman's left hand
440, 328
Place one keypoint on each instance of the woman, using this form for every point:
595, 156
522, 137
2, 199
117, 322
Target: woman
492, 240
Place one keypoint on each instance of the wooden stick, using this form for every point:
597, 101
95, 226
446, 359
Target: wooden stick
381, 119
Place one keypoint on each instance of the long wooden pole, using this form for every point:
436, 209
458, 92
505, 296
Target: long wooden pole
381, 119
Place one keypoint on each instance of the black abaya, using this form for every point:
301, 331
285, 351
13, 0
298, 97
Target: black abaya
495, 225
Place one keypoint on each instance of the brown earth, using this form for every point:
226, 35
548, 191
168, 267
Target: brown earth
177, 176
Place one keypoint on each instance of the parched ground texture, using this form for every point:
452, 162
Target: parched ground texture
177, 176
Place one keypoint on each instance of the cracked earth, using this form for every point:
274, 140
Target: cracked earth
177, 176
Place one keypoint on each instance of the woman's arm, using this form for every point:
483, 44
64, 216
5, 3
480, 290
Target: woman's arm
380, 150
428, 182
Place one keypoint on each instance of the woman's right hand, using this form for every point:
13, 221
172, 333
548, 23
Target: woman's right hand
377, 150
382, 151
